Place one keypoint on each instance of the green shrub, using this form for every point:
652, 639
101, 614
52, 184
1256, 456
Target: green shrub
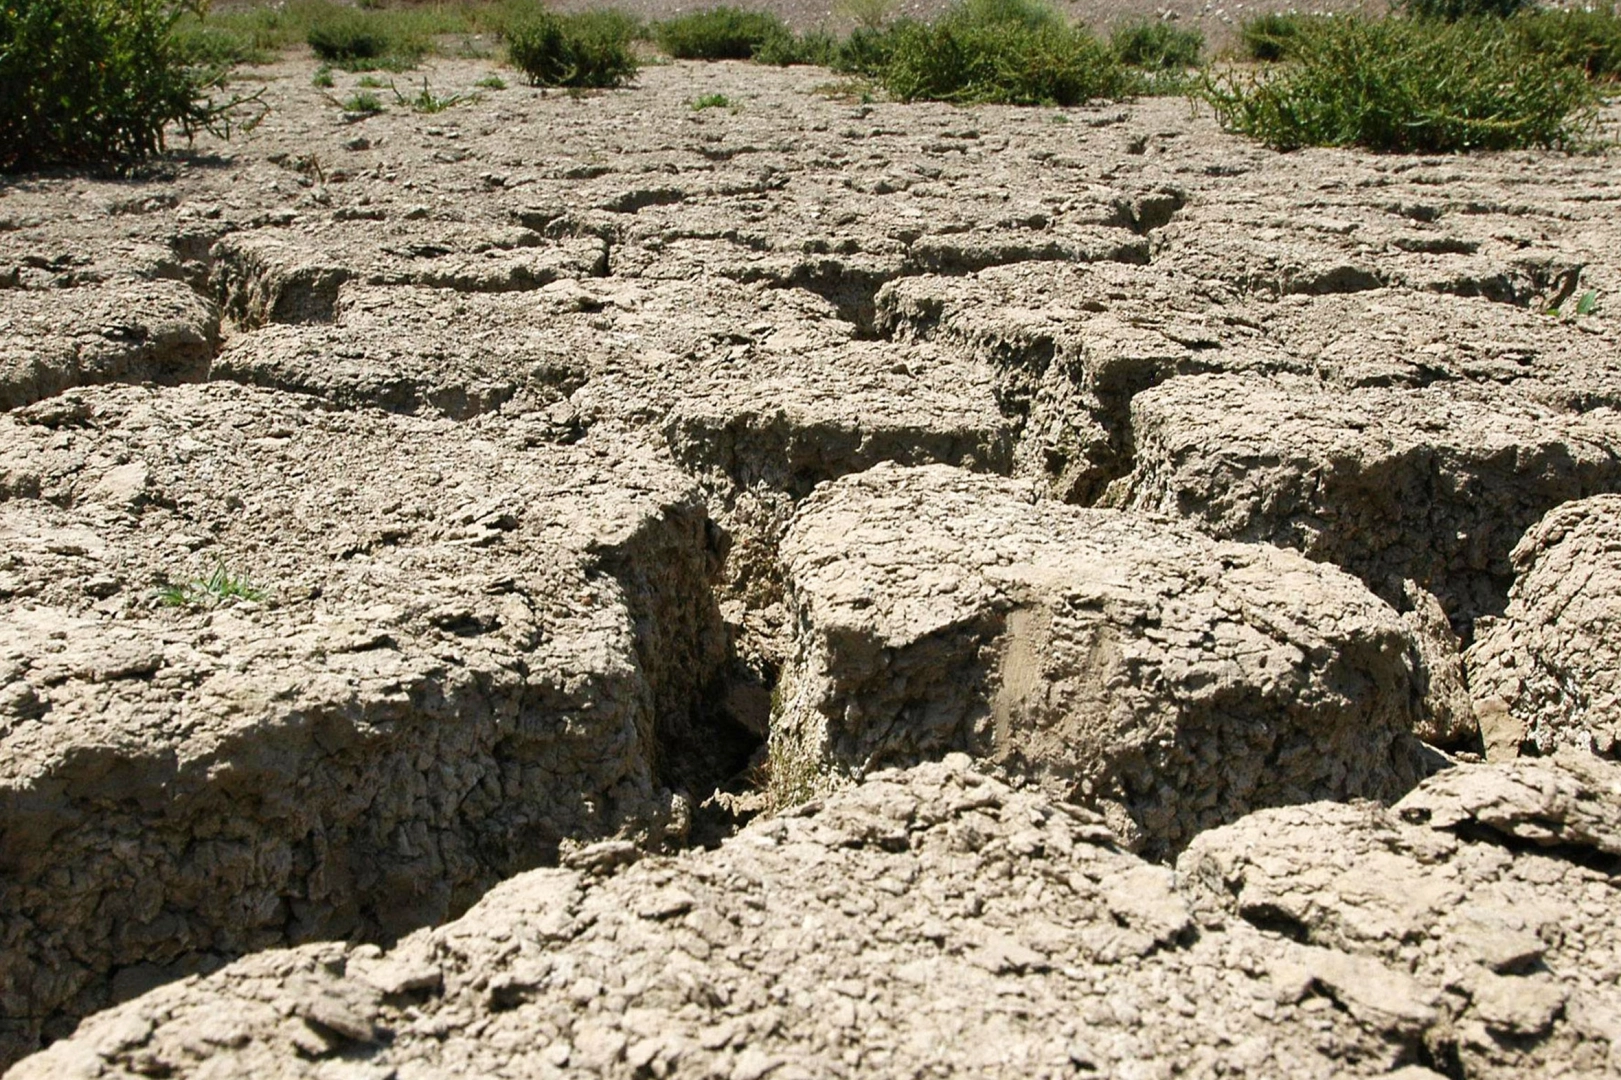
96, 82
866, 14
362, 39
1157, 46
1272, 37
588, 51
1011, 52
216, 47
867, 51
1588, 39
1410, 86
721, 33
1453, 10
813, 47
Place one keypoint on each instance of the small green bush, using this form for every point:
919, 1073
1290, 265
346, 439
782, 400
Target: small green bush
345, 36
1410, 86
1271, 37
710, 101
1157, 46
721, 33
204, 592
1011, 52
363, 102
1590, 40
1453, 10
587, 51
814, 47
868, 50
364, 39
96, 82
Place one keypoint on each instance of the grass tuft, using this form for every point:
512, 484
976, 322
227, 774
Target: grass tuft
363, 102
210, 591
1409, 86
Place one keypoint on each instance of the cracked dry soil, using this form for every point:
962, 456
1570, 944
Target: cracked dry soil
1185, 576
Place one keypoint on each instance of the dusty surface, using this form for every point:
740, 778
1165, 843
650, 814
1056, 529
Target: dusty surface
939, 922
555, 432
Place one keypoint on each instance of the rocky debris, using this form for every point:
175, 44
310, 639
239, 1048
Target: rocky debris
404, 660
1129, 659
1546, 675
1434, 486
936, 919
126, 331
1476, 909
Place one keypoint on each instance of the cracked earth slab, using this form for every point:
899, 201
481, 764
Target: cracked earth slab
939, 919
1544, 674
1434, 485
1128, 659
458, 663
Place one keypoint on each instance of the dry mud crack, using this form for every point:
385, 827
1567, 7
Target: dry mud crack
1181, 577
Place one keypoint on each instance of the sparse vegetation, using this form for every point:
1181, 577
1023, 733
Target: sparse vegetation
97, 82
491, 82
1411, 86
323, 78
791, 775
363, 102
720, 33
425, 100
588, 51
1015, 52
210, 591
711, 101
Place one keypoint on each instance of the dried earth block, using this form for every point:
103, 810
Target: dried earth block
1548, 673
1129, 658
462, 656
1434, 485
935, 921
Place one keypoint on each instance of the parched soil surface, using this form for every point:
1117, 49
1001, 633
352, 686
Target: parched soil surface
1156, 598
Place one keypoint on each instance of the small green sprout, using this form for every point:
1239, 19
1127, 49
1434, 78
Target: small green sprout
215, 589
711, 101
